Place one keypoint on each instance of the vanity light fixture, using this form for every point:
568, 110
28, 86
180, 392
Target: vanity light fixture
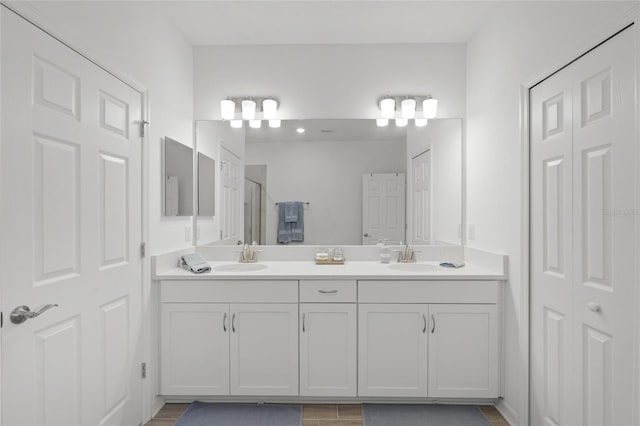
388, 107
227, 109
401, 122
274, 124
408, 107
421, 122
382, 122
269, 108
300, 130
429, 107
255, 124
248, 109
236, 124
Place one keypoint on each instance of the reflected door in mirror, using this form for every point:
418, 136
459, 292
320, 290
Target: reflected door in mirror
383, 207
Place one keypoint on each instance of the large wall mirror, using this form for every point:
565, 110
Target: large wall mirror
336, 182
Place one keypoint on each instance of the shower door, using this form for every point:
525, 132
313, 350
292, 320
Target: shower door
252, 209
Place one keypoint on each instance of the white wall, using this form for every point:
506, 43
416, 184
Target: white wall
329, 81
127, 37
523, 42
444, 139
329, 176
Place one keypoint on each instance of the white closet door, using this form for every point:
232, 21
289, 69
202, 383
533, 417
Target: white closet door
232, 204
421, 175
383, 207
583, 253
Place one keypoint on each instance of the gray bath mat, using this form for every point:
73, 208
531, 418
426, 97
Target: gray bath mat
422, 415
213, 414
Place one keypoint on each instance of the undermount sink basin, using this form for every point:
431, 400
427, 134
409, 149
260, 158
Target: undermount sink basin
413, 267
240, 267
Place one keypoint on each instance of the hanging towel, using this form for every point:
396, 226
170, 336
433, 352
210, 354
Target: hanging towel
290, 211
290, 230
297, 227
284, 230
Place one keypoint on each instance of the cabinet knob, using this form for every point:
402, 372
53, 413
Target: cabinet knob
594, 307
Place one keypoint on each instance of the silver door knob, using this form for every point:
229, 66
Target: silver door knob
594, 307
22, 313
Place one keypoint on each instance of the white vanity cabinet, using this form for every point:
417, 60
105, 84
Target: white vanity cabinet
237, 348
446, 346
328, 337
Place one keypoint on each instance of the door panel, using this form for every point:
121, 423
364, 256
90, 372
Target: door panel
392, 351
582, 338
421, 167
264, 349
194, 362
328, 342
383, 207
71, 226
463, 351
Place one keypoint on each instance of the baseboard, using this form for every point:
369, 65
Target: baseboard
509, 414
329, 400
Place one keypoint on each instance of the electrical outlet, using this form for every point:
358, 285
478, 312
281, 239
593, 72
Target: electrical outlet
187, 233
471, 235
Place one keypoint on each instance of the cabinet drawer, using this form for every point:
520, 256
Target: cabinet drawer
428, 292
263, 291
330, 291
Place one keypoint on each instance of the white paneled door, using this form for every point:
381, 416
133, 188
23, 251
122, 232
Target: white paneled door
232, 204
71, 230
583, 256
383, 207
421, 188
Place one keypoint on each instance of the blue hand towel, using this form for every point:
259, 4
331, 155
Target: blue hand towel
297, 227
284, 230
290, 211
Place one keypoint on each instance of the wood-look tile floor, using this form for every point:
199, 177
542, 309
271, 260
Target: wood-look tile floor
314, 415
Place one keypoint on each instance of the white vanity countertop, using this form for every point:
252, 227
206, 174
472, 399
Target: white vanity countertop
361, 270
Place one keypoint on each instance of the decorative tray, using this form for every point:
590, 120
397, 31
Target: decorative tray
329, 262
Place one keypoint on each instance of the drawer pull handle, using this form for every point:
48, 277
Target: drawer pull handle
233, 323
224, 322
424, 318
328, 291
304, 328
433, 318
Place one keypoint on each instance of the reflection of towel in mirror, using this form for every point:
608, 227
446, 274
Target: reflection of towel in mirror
290, 222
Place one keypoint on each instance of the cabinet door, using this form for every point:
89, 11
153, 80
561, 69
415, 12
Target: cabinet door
463, 351
194, 354
264, 349
328, 349
392, 350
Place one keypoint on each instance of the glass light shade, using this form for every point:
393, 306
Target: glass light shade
382, 122
388, 107
255, 124
236, 124
401, 122
275, 124
429, 108
421, 122
408, 108
227, 109
269, 109
248, 109
300, 130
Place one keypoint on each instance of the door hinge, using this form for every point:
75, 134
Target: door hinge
143, 249
143, 370
143, 125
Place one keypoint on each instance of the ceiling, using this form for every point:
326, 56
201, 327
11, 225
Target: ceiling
326, 131
324, 22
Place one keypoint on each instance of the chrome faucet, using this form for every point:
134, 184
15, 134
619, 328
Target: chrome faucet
406, 255
249, 254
